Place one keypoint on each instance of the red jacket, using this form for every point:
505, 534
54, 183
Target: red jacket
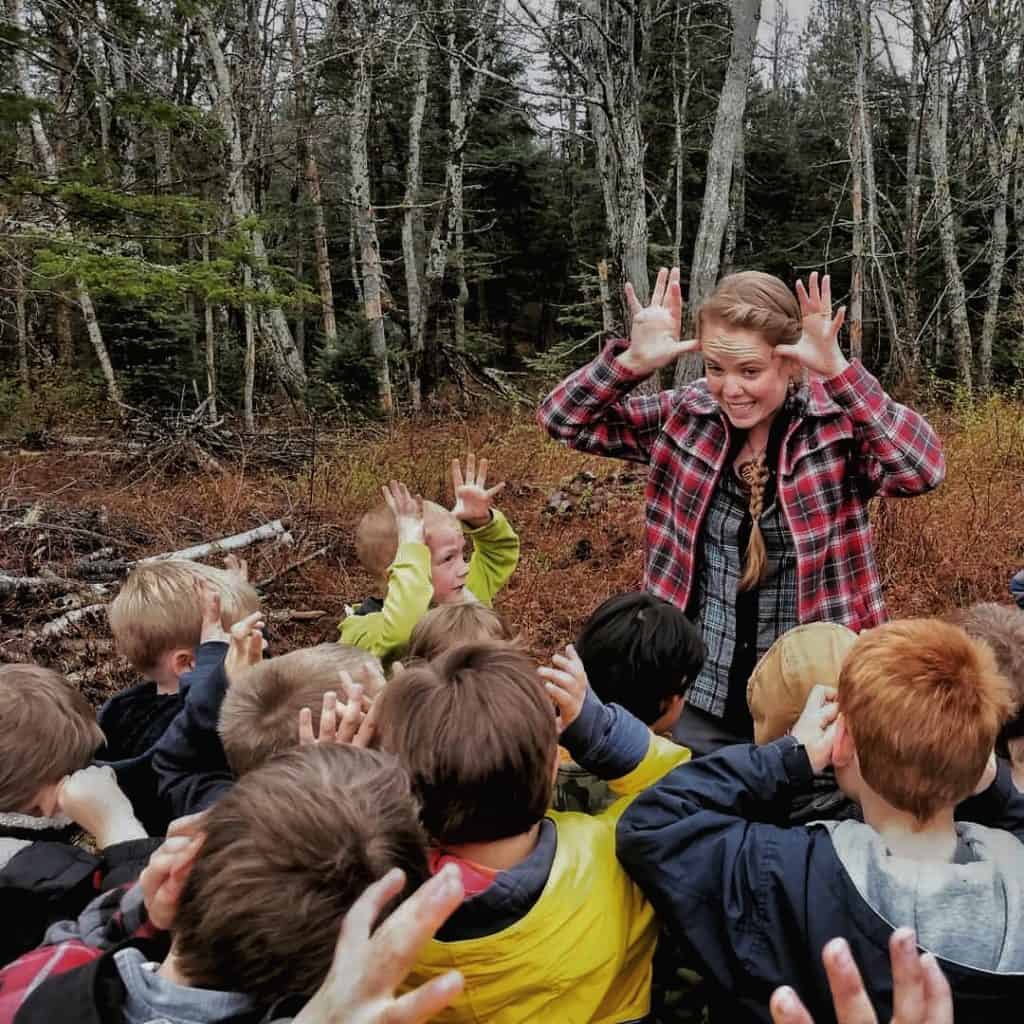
849, 442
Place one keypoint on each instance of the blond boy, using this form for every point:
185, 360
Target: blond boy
243, 709
416, 550
156, 620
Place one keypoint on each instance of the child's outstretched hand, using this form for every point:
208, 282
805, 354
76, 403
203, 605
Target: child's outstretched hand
473, 499
567, 684
245, 646
357, 723
369, 965
92, 798
816, 726
209, 605
237, 567
163, 878
407, 510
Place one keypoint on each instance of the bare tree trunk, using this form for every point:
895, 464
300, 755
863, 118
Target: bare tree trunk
1002, 152
249, 359
20, 319
607, 310
48, 159
287, 363
737, 207
936, 118
857, 195
359, 123
680, 107
211, 344
62, 329
311, 171
915, 122
412, 215
728, 128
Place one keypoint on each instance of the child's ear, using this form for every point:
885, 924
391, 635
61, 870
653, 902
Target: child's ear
183, 660
843, 751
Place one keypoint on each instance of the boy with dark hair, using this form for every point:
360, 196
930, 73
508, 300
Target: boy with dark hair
641, 653
1002, 628
551, 930
156, 621
48, 796
263, 890
910, 733
415, 549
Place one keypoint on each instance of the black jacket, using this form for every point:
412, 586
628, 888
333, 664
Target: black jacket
47, 882
755, 903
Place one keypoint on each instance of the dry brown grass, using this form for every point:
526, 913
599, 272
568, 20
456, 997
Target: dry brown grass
954, 547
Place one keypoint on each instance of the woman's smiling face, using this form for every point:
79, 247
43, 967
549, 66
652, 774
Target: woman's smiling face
745, 376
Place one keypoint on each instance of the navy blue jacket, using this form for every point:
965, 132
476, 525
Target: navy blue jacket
1017, 588
755, 903
191, 768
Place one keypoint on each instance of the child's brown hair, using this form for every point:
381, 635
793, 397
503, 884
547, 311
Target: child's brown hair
754, 301
287, 851
452, 624
260, 713
1002, 628
476, 731
47, 731
157, 609
377, 536
924, 704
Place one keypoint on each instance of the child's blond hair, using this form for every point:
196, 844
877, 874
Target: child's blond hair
47, 731
158, 610
377, 536
260, 714
452, 624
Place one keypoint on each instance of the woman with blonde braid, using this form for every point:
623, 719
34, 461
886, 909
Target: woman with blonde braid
760, 473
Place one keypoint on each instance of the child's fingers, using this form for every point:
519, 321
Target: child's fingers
328, 718
471, 467
363, 914
306, 727
424, 1003
481, 473
907, 977
851, 1001
351, 719
558, 676
495, 490
572, 667
457, 480
786, 1007
367, 733
243, 627
937, 993
188, 825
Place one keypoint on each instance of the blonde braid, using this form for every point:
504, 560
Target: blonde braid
755, 475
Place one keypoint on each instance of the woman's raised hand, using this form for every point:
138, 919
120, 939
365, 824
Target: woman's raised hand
818, 348
654, 335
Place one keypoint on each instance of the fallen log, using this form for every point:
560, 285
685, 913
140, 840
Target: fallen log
293, 615
275, 530
49, 583
64, 624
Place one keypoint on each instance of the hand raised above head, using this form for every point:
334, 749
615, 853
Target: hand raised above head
407, 510
654, 333
245, 646
371, 964
211, 629
473, 498
566, 682
818, 346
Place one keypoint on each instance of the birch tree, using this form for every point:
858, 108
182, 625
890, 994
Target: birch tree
220, 83
707, 249
48, 160
936, 123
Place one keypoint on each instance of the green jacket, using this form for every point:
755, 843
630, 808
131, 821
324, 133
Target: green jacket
410, 588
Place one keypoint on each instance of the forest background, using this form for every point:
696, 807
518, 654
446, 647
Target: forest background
275, 251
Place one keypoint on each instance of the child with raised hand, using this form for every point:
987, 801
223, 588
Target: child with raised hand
244, 709
641, 653
551, 929
416, 550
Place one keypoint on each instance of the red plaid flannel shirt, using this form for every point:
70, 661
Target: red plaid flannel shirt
849, 443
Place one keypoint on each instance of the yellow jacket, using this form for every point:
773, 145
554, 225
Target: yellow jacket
583, 952
410, 588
